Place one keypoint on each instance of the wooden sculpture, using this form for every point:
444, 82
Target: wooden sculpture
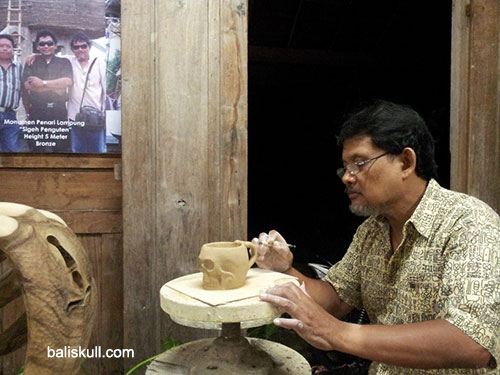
51, 270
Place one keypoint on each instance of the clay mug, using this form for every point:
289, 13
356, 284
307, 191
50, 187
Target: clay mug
225, 264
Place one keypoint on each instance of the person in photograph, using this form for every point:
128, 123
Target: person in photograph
425, 264
46, 83
85, 138
10, 95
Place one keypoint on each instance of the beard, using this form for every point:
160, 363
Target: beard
366, 210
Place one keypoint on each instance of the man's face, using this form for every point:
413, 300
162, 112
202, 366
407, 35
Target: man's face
374, 188
46, 46
6, 49
81, 50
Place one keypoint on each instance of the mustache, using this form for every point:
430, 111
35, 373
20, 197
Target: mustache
349, 190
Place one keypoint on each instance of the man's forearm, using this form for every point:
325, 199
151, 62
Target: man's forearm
37, 84
59, 83
426, 345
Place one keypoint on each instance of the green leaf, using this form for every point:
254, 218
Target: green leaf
170, 342
262, 332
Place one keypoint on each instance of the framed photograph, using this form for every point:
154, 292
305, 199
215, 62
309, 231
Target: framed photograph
60, 91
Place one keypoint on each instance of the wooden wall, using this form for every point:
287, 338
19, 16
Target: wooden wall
86, 192
185, 159
475, 99
184, 149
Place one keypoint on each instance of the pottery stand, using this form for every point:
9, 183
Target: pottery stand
189, 304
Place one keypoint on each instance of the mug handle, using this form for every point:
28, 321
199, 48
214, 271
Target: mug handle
254, 250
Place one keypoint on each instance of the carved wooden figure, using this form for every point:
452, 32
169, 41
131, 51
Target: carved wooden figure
51, 270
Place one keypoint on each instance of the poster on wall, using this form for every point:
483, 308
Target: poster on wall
60, 83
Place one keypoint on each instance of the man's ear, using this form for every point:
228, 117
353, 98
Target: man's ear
409, 159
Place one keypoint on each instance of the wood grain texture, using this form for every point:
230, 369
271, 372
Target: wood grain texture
139, 177
105, 253
59, 291
475, 98
187, 147
84, 190
483, 175
61, 190
57, 161
459, 113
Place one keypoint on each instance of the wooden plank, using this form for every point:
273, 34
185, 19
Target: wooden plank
233, 151
105, 253
484, 138
140, 329
459, 104
475, 96
47, 161
111, 311
191, 156
62, 189
92, 222
183, 176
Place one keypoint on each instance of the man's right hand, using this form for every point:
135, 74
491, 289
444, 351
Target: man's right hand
274, 253
30, 59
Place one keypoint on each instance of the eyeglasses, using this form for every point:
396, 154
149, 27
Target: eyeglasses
354, 168
43, 44
80, 46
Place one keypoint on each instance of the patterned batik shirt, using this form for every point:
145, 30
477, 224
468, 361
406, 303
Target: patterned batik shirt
446, 267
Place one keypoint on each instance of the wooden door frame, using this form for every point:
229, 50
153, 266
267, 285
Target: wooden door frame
475, 99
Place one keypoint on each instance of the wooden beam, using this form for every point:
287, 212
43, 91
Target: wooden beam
184, 151
475, 99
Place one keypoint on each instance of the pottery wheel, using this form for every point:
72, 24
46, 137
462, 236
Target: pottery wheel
176, 361
189, 304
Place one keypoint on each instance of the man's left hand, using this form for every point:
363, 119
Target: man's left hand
309, 320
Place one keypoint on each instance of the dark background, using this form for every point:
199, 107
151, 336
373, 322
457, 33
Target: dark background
311, 63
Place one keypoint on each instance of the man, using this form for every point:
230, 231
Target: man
84, 138
46, 83
424, 265
10, 90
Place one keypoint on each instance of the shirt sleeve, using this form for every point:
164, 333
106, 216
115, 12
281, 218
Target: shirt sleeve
26, 73
66, 69
471, 283
344, 276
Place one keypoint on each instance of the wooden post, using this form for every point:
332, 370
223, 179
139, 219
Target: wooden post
184, 149
475, 99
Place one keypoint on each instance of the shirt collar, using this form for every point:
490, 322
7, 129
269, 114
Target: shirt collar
426, 207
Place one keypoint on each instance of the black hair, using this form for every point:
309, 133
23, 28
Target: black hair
8, 37
79, 37
43, 33
392, 127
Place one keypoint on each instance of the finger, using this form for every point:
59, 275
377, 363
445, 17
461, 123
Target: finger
263, 238
262, 253
294, 324
277, 301
276, 236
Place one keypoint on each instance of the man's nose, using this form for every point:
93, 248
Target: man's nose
348, 177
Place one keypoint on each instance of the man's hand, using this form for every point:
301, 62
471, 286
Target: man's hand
30, 60
309, 319
34, 83
274, 254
